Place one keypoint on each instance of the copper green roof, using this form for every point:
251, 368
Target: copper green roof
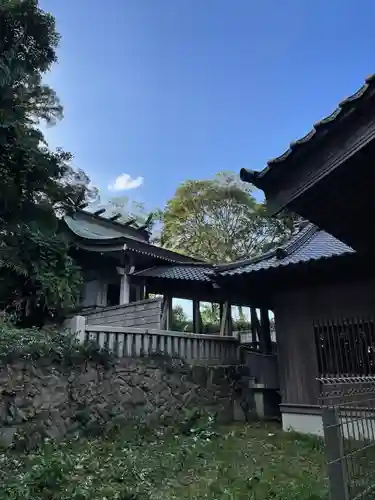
98, 234
92, 227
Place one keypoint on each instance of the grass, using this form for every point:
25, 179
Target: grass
254, 461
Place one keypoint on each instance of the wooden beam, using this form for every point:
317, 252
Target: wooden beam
200, 291
99, 212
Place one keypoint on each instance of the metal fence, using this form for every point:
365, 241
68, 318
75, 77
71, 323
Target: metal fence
345, 352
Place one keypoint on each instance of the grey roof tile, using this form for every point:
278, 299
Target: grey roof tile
310, 244
178, 272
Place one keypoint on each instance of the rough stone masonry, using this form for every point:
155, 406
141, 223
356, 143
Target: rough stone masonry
40, 399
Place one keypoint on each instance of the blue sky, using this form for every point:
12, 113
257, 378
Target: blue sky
166, 90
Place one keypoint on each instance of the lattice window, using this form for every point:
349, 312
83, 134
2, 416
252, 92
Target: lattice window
345, 347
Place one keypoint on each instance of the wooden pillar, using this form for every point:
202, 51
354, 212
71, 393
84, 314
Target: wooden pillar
254, 325
226, 320
197, 323
124, 285
223, 317
229, 320
166, 314
124, 289
265, 337
138, 292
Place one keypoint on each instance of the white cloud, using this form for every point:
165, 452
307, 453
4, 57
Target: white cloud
124, 182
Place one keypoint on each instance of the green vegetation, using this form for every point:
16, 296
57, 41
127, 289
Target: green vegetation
38, 278
47, 343
239, 462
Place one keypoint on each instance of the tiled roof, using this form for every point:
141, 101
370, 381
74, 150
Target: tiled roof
321, 128
180, 272
309, 245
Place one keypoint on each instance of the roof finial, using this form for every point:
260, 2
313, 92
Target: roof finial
247, 175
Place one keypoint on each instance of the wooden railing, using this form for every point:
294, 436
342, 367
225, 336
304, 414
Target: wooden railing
194, 348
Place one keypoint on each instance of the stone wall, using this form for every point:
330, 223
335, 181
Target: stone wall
144, 313
41, 399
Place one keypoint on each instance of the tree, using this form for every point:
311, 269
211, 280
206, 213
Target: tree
37, 185
210, 314
180, 322
219, 220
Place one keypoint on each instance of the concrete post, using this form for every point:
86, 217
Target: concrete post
337, 473
77, 326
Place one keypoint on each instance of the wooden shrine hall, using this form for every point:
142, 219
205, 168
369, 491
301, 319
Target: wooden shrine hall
121, 266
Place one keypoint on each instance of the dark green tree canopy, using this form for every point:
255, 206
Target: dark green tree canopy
37, 185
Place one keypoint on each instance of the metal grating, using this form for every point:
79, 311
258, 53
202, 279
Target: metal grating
345, 352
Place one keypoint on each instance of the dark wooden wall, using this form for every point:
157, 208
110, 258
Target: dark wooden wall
295, 311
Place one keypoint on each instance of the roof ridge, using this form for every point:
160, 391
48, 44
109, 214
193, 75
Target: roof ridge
289, 247
177, 264
369, 82
300, 239
255, 176
245, 262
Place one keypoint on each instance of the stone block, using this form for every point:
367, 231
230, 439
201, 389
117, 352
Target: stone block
7, 436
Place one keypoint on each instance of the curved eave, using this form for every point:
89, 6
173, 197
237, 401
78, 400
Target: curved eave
346, 105
124, 244
93, 242
290, 266
319, 130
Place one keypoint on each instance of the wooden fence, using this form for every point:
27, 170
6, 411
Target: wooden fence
132, 341
194, 348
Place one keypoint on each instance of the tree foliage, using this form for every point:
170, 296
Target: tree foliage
219, 220
37, 185
179, 320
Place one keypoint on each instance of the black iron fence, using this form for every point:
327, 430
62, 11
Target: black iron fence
346, 363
